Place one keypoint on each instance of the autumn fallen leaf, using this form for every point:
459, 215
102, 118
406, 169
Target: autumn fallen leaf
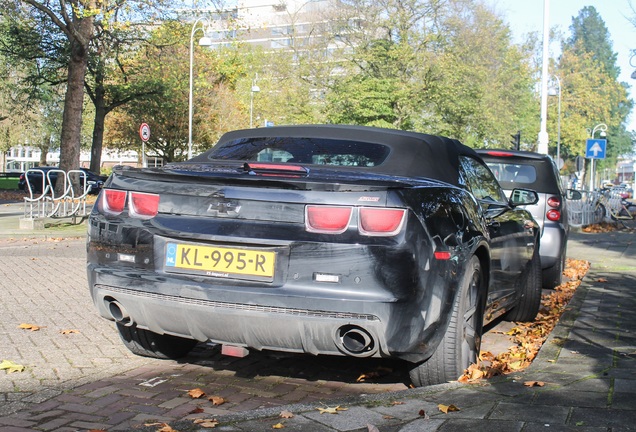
534, 383
164, 427
196, 393
278, 426
286, 414
31, 327
10, 366
206, 423
422, 413
333, 410
447, 408
379, 372
65, 332
217, 400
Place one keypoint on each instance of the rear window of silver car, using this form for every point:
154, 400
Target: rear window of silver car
515, 173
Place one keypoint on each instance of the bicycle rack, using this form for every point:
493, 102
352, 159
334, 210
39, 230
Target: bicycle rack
48, 204
585, 211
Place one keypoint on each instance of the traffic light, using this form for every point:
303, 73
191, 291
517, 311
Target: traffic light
516, 140
579, 161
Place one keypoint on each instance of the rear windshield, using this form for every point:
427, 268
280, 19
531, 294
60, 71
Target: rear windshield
515, 173
315, 151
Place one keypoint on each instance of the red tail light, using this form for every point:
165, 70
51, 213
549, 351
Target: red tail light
380, 221
372, 221
442, 255
554, 202
143, 205
113, 201
327, 219
553, 215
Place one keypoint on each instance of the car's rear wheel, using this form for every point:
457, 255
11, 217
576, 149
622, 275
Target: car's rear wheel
149, 344
553, 276
529, 291
462, 340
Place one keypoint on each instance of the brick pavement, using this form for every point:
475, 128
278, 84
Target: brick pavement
88, 380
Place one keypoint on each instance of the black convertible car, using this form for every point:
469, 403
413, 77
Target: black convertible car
336, 240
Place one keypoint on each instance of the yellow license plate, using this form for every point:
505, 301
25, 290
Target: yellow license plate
220, 261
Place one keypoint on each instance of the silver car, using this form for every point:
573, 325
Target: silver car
522, 169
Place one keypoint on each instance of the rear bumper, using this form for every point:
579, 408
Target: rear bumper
409, 329
553, 244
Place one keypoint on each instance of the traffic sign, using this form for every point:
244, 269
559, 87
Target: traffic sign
144, 132
595, 148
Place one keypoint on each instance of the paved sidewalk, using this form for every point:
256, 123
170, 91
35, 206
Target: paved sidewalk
88, 380
588, 365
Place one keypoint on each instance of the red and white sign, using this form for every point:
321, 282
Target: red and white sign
144, 132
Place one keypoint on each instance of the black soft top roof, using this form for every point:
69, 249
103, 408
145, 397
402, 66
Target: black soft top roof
411, 154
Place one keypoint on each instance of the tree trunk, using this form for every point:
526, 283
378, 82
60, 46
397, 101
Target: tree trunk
70, 141
98, 137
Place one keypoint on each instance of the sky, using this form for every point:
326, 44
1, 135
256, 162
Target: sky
525, 16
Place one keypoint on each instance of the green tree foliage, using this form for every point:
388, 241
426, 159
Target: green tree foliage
387, 51
28, 116
481, 85
439, 67
64, 38
591, 92
590, 35
166, 62
72, 24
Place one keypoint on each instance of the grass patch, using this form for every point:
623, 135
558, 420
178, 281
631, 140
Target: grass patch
8, 183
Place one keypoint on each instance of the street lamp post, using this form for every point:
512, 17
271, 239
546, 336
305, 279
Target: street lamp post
204, 41
602, 127
254, 89
558, 151
543, 132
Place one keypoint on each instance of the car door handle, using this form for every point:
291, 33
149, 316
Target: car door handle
495, 225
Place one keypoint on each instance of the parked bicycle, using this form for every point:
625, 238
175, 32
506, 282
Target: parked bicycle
609, 204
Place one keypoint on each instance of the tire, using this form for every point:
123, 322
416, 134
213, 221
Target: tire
600, 213
148, 344
462, 340
529, 291
552, 277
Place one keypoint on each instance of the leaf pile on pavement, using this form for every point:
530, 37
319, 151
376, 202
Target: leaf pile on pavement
12, 195
529, 337
602, 227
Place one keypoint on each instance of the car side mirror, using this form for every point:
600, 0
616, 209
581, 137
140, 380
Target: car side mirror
519, 197
573, 195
